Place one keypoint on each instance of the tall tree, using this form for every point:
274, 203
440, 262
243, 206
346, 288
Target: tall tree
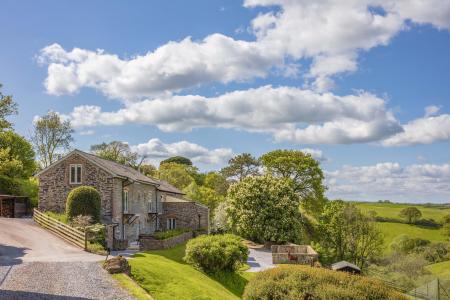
347, 234
241, 166
52, 137
119, 152
7, 107
178, 160
176, 174
303, 170
149, 170
411, 214
217, 182
16, 155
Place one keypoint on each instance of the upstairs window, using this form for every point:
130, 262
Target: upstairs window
75, 174
171, 223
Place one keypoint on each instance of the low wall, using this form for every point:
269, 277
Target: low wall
150, 243
293, 254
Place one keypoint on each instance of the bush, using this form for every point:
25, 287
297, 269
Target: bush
60, 217
213, 253
83, 200
302, 282
169, 233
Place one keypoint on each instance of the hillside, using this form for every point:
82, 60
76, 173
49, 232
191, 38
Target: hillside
392, 229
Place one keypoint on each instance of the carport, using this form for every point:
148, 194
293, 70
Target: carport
12, 206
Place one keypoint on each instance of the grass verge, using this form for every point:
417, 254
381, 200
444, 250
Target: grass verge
132, 287
165, 275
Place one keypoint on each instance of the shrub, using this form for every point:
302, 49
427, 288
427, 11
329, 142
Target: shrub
81, 221
169, 233
213, 253
83, 200
60, 217
302, 282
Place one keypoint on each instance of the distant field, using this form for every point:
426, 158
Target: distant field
391, 210
392, 230
440, 269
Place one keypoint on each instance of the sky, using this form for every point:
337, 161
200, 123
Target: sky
361, 85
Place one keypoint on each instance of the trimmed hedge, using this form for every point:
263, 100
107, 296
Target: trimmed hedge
163, 235
214, 253
303, 282
85, 201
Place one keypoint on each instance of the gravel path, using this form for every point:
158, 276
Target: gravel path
56, 280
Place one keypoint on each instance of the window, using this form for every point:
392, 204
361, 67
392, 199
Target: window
171, 223
75, 174
125, 201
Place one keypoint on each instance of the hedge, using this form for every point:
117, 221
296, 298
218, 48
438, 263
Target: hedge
85, 201
214, 253
303, 282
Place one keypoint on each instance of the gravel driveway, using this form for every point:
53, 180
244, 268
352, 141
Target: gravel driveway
34, 264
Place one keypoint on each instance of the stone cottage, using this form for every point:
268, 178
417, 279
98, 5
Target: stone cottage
132, 204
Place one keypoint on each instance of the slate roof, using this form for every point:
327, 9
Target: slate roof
121, 171
343, 264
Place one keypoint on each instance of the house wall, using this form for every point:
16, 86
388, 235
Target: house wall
54, 185
186, 215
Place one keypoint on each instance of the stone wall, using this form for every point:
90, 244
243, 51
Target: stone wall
293, 254
54, 185
187, 214
150, 243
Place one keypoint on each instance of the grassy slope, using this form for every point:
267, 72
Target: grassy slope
165, 276
392, 210
128, 283
392, 230
441, 269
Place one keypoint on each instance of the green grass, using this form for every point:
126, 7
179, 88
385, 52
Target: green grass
165, 275
60, 217
392, 210
441, 269
128, 283
392, 230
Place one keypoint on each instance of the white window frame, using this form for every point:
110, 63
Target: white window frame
171, 223
76, 180
125, 201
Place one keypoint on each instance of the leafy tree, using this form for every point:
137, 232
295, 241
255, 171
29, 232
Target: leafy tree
175, 174
264, 209
347, 234
178, 160
119, 152
411, 214
220, 218
16, 155
446, 219
7, 107
149, 170
404, 244
50, 137
241, 166
217, 182
303, 170
446, 229
203, 195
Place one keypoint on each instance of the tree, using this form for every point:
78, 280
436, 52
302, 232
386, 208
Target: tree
7, 107
217, 182
149, 170
204, 195
264, 209
241, 166
220, 218
303, 170
411, 214
347, 234
175, 174
51, 136
178, 160
16, 155
119, 152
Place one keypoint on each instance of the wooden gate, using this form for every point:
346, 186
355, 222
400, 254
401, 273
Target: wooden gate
64, 231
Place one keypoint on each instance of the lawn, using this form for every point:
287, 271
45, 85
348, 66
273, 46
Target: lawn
165, 275
392, 210
392, 230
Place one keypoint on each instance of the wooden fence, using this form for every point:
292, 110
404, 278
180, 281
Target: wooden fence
64, 231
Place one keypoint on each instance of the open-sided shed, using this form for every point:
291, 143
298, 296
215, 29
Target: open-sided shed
12, 206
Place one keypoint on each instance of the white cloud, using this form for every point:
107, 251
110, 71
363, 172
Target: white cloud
289, 114
87, 132
155, 151
424, 130
413, 183
431, 110
330, 32
317, 154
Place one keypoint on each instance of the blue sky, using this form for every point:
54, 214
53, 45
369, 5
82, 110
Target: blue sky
348, 82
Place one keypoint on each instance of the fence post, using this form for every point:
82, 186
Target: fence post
85, 239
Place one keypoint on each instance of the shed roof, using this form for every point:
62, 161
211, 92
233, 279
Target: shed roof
344, 264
